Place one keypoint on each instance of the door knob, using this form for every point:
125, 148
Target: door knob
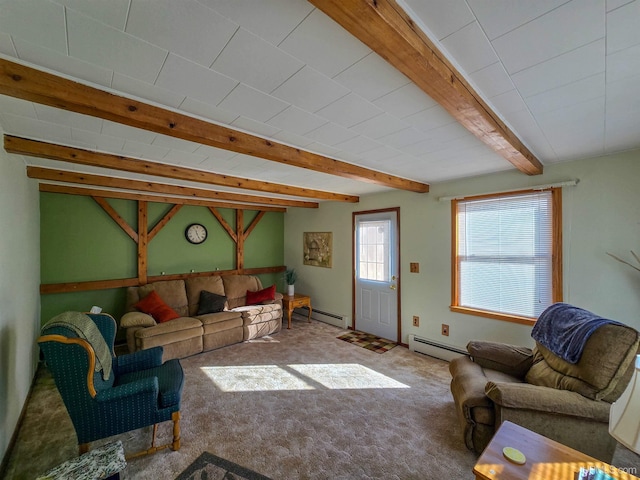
392, 287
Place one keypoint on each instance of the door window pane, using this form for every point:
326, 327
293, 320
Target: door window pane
373, 250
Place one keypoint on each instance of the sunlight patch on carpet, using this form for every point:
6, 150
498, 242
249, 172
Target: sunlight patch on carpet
347, 376
331, 376
255, 378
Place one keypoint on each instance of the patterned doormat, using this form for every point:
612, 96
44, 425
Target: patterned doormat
209, 466
368, 341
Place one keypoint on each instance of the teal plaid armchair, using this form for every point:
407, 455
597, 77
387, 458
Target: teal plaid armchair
107, 395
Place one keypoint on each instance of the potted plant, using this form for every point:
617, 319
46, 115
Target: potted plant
290, 277
636, 256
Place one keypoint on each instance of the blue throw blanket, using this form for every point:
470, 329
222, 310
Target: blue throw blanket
565, 329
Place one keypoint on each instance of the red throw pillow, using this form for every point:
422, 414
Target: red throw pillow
254, 298
153, 305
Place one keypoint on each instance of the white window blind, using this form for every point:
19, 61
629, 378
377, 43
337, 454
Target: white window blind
504, 253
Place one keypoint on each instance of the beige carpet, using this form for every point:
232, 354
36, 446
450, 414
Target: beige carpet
299, 405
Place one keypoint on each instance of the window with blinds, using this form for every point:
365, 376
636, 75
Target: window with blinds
505, 254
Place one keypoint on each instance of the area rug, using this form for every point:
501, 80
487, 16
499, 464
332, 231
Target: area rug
368, 341
210, 467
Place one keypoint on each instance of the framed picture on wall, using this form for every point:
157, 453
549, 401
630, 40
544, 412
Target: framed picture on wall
317, 249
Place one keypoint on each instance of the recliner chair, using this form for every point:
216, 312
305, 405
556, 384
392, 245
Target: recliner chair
542, 392
133, 391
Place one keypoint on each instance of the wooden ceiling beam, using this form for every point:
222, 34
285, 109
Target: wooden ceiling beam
95, 192
66, 176
35, 148
27, 83
386, 28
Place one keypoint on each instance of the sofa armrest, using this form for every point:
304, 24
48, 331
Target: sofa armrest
137, 319
468, 384
509, 359
525, 396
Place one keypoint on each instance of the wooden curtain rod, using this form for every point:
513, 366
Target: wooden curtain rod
566, 183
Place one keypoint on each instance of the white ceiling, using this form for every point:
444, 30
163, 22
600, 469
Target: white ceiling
564, 75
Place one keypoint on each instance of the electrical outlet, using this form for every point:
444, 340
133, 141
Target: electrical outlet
445, 330
416, 321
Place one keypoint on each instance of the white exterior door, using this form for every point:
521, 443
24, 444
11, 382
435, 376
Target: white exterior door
377, 273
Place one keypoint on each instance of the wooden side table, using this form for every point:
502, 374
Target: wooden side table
545, 458
297, 300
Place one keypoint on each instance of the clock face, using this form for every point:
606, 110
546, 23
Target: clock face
196, 233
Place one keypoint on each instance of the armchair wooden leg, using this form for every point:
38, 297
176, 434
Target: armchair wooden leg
176, 431
175, 445
83, 448
153, 438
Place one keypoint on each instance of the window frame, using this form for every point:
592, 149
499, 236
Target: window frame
556, 256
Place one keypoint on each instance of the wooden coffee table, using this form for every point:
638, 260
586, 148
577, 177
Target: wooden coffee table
297, 300
545, 458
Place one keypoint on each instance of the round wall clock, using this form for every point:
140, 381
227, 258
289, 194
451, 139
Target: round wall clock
196, 233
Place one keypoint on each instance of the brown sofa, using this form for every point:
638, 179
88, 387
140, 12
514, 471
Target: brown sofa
192, 333
541, 391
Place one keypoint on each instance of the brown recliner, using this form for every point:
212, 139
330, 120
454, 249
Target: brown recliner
540, 391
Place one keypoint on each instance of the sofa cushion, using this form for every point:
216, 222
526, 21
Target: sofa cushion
605, 360
195, 285
210, 303
236, 286
182, 324
265, 295
153, 305
210, 318
253, 310
221, 326
263, 317
171, 291
523, 396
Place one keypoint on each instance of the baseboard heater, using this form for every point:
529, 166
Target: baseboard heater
336, 319
434, 349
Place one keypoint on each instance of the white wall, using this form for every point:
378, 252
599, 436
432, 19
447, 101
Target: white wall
601, 214
19, 290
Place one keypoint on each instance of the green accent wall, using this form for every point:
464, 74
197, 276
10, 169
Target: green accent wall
80, 242
261, 246
171, 253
